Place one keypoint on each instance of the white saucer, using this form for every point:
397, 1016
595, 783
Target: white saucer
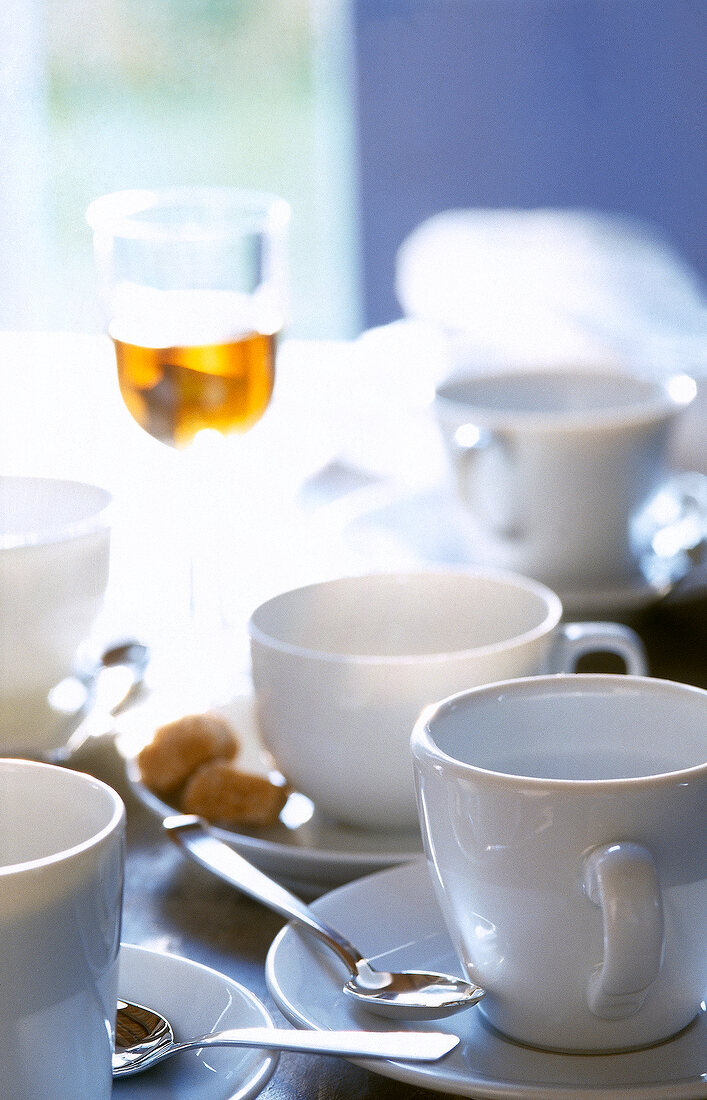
393, 916
389, 526
196, 1000
307, 852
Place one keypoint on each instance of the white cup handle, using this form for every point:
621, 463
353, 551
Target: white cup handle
576, 640
621, 879
498, 507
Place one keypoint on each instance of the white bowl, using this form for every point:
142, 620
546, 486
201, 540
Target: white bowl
54, 560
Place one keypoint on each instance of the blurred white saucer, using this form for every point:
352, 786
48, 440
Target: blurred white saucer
303, 850
393, 526
213, 1002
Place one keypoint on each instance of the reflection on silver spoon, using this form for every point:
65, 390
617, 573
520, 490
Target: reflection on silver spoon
143, 1038
408, 995
673, 530
108, 688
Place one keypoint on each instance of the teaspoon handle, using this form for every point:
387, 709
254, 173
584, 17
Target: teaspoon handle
192, 836
419, 1046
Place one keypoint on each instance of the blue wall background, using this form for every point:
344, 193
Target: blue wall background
526, 103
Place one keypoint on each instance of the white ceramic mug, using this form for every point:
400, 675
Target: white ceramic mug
341, 670
61, 879
54, 560
554, 468
564, 823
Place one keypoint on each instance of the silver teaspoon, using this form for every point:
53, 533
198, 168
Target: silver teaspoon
110, 687
407, 995
143, 1037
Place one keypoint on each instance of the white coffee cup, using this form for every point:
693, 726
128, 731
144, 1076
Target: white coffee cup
564, 823
54, 560
341, 670
554, 468
61, 878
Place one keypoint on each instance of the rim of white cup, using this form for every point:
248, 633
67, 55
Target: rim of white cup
97, 518
552, 616
118, 814
664, 397
422, 740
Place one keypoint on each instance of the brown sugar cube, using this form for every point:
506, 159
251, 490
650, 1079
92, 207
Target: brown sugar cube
226, 796
179, 747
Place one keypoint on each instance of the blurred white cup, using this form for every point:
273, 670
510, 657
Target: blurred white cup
341, 670
61, 879
54, 562
563, 819
554, 469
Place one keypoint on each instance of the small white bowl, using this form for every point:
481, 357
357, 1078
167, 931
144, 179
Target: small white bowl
54, 561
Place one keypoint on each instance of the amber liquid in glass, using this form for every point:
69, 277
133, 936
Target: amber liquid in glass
175, 392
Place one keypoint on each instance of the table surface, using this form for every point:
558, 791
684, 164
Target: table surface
171, 904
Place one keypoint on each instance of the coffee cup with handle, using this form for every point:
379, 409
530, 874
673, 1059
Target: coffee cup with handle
556, 471
341, 669
564, 823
